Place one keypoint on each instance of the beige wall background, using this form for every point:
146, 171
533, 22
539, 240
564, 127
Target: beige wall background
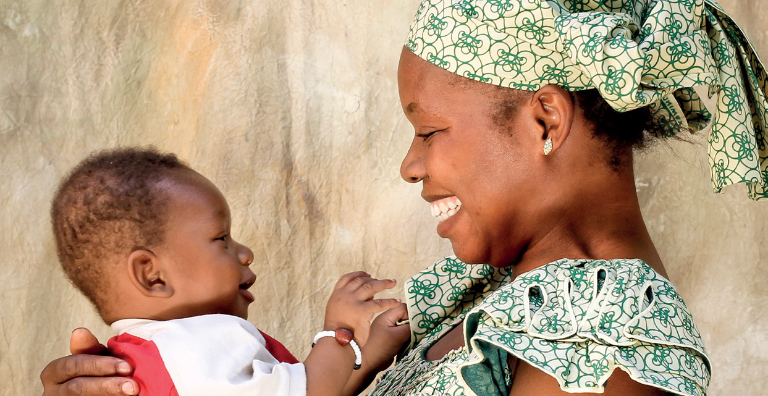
290, 107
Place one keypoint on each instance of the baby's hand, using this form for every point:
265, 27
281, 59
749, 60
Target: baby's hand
386, 338
352, 306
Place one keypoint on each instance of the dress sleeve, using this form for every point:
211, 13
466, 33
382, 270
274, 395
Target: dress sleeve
579, 322
149, 368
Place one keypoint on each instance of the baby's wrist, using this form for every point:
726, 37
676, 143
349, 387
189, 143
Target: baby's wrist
332, 325
343, 334
344, 338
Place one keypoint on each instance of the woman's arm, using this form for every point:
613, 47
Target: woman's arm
84, 373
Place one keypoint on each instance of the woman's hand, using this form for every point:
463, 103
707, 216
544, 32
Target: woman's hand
84, 373
352, 306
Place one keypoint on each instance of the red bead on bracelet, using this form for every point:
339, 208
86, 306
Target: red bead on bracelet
344, 336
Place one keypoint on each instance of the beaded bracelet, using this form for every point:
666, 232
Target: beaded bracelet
343, 337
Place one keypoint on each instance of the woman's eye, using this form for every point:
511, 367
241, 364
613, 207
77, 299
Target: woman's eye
425, 136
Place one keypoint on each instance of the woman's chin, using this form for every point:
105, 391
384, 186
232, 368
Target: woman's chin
477, 254
465, 245
445, 227
466, 254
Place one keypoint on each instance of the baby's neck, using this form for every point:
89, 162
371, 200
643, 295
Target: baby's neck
134, 305
110, 319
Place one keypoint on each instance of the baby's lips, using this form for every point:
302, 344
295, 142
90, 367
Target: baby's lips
247, 295
248, 282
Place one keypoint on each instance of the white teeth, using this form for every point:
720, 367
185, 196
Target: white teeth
445, 208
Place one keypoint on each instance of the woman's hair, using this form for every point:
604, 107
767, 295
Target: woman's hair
621, 132
107, 205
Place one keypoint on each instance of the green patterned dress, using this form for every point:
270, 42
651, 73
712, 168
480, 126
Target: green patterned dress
576, 320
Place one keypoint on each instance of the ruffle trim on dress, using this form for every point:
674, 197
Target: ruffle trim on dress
579, 320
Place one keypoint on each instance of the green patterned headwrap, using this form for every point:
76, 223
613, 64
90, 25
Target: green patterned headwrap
634, 52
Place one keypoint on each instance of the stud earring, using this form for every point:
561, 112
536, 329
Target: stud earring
548, 146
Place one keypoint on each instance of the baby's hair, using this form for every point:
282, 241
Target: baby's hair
109, 205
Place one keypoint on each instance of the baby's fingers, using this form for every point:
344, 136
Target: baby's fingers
366, 288
356, 276
384, 304
393, 315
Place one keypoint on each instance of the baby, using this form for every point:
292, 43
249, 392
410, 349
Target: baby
147, 240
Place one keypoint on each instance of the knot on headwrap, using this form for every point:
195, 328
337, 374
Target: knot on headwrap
635, 53
631, 74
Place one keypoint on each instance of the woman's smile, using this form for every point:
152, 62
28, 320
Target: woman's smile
445, 208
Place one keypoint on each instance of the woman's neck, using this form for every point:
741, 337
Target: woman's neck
602, 221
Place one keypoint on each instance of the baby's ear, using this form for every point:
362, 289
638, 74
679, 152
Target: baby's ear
147, 274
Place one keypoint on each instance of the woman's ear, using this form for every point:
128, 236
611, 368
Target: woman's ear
147, 274
553, 109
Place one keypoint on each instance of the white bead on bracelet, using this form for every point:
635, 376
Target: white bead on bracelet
352, 343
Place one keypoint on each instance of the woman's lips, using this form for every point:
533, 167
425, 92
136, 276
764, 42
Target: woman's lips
445, 208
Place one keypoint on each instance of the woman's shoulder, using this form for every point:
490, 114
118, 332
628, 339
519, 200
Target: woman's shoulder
578, 320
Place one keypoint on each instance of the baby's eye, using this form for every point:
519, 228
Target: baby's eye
222, 238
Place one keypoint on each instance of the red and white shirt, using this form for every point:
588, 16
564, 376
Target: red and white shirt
206, 355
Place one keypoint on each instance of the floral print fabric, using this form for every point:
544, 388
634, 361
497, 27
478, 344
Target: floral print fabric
576, 320
634, 52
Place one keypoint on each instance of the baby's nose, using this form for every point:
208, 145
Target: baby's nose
246, 256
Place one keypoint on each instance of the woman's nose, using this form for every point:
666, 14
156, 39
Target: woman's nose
412, 169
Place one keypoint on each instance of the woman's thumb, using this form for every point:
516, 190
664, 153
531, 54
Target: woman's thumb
82, 341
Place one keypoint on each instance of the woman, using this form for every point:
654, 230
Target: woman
526, 113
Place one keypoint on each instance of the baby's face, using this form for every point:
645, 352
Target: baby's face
207, 269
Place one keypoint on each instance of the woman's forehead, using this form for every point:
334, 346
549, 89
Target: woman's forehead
414, 68
428, 89
413, 72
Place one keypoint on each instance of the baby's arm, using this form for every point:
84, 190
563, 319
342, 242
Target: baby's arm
351, 306
385, 340
328, 367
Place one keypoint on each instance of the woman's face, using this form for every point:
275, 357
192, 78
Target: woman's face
465, 157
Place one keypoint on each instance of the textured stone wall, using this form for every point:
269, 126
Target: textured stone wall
290, 107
